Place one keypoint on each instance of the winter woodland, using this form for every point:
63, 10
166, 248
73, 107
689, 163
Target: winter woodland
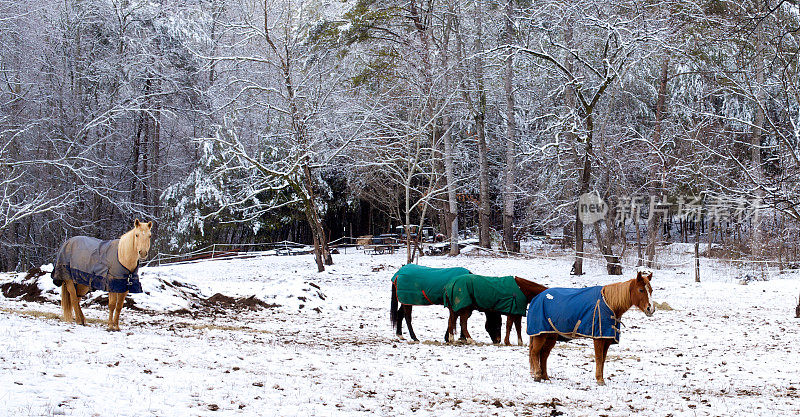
236, 122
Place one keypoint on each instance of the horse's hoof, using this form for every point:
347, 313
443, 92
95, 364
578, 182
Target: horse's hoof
601, 382
470, 341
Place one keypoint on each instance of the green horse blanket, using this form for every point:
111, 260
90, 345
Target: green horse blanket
421, 285
498, 294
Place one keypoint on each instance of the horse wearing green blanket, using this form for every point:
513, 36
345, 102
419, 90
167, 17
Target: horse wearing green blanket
507, 295
420, 285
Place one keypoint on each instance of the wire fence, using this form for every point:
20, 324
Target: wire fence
664, 261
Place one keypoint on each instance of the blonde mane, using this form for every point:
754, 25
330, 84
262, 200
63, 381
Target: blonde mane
618, 296
126, 252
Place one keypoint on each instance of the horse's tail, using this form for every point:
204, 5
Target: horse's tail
66, 303
394, 311
58, 269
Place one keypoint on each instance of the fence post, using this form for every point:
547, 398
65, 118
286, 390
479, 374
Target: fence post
697, 260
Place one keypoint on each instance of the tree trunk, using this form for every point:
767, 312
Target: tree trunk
447, 138
613, 266
756, 246
654, 222
583, 188
484, 209
569, 99
511, 132
452, 215
639, 254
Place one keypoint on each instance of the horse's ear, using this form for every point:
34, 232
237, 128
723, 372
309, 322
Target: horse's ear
136, 223
150, 225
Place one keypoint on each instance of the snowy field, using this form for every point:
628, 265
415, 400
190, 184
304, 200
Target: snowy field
724, 349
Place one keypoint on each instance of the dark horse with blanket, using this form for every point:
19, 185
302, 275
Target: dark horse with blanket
595, 312
507, 295
422, 286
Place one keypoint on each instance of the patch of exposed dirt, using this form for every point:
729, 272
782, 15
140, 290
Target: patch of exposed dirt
221, 301
27, 289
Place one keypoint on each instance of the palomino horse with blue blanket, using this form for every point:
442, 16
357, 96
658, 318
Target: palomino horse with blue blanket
507, 295
422, 286
595, 312
85, 263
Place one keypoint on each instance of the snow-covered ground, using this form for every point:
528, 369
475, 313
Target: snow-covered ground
328, 349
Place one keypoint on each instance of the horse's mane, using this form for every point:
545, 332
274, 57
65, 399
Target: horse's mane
529, 288
618, 296
126, 253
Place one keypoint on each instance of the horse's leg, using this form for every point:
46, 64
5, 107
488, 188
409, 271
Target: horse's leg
534, 356
464, 318
600, 351
450, 335
407, 314
468, 312
81, 291
518, 324
118, 309
509, 323
66, 305
547, 346
112, 306
76, 304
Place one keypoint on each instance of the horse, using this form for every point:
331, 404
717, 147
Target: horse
419, 285
84, 263
595, 312
507, 295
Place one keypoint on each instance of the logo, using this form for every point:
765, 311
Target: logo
591, 208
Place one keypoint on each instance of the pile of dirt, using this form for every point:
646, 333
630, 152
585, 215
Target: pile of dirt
224, 302
27, 289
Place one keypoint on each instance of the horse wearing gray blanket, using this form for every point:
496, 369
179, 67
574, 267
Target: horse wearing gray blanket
85, 263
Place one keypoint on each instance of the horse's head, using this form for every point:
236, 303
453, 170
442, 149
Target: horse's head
494, 324
641, 293
141, 237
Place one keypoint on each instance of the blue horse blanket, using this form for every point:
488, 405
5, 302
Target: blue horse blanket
94, 263
573, 313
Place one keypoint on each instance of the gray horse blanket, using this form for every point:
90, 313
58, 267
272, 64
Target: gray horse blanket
421, 285
573, 313
498, 294
94, 263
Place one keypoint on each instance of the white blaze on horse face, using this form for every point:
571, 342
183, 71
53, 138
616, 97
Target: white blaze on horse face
651, 307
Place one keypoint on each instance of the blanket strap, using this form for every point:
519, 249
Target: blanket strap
595, 317
571, 335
